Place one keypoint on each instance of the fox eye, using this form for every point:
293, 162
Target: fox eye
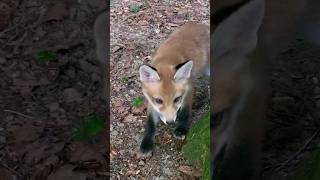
158, 100
177, 99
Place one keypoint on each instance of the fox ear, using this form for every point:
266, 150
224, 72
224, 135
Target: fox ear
238, 33
183, 71
148, 74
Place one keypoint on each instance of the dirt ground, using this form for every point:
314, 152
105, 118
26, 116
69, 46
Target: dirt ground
134, 37
294, 113
41, 101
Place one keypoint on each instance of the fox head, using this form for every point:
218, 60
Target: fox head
233, 41
166, 87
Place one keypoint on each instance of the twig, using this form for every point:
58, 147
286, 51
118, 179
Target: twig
299, 151
10, 169
133, 15
18, 113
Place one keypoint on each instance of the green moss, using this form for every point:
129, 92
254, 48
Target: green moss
87, 129
310, 168
134, 8
45, 56
197, 149
138, 102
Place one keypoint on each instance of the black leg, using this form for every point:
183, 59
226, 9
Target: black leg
147, 141
182, 122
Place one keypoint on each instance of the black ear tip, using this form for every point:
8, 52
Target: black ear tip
181, 64
148, 66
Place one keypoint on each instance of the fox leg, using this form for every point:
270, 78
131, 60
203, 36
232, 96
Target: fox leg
183, 117
149, 133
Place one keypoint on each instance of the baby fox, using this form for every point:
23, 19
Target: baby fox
167, 81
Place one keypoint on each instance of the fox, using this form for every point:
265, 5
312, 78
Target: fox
167, 80
245, 36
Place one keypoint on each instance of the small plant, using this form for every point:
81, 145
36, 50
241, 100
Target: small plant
45, 56
125, 79
87, 129
145, 3
197, 149
138, 102
134, 8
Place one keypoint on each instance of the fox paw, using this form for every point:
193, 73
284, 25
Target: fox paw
180, 134
146, 148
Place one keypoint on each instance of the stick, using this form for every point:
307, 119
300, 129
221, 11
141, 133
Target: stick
15, 112
299, 151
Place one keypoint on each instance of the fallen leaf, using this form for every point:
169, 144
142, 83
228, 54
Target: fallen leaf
189, 170
56, 12
66, 173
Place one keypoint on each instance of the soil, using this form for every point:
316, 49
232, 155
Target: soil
134, 37
294, 112
41, 101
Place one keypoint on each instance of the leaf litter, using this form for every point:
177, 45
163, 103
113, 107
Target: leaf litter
44, 90
137, 29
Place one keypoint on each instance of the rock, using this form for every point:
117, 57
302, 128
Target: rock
71, 73
167, 171
316, 90
95, 77
130, 118
2, 60
71, 95
121, 125
53, 107
3, 139
315, 80
141, 163
114, 133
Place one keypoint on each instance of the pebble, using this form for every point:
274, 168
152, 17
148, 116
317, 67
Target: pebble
114, 133
53, 107
316, 90
167, 171
121, 125
3, 139
71, 94
141, 163
2, 60
315, 80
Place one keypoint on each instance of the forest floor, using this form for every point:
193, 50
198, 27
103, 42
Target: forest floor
48, 84
137, 29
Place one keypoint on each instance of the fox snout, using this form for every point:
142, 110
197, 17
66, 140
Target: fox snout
169, 119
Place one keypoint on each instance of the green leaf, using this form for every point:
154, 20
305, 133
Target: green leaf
145, 2
309, 168
134, 8
138, 102
45, 56
197, 148
87, 129
125, 79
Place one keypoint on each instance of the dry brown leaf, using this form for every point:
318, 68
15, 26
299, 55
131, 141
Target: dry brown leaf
189, 170
66, 173
25, 133
56, 12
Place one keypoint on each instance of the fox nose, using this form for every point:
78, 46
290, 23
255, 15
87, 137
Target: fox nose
170, 122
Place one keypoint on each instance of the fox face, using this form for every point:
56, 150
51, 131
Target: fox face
166, 88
